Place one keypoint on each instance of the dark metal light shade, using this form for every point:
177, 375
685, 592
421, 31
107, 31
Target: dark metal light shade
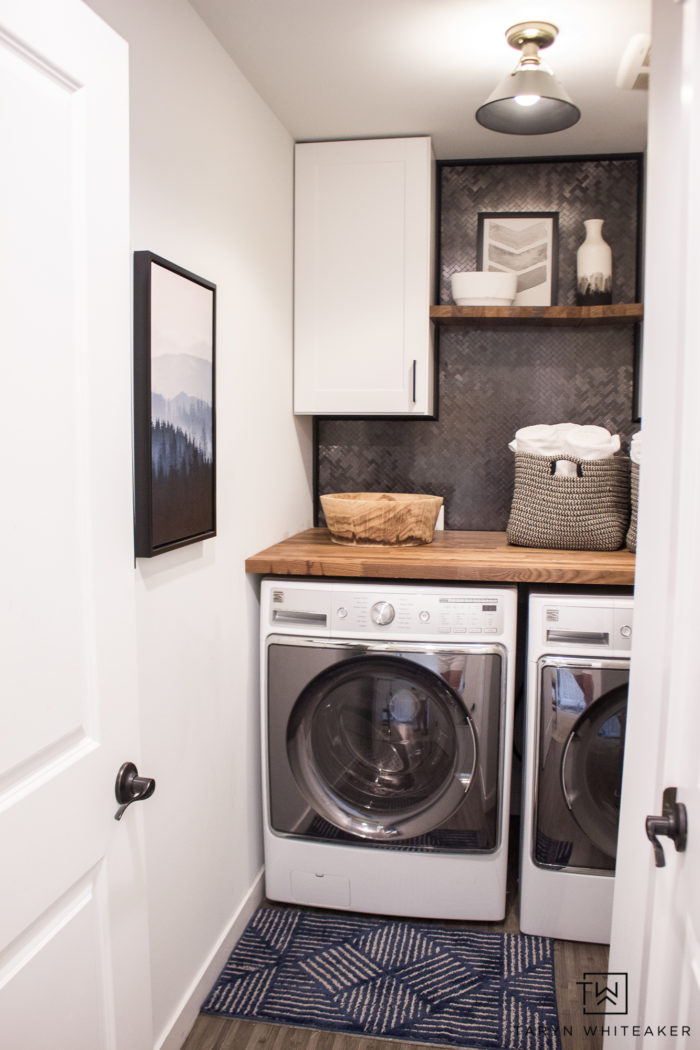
553, 111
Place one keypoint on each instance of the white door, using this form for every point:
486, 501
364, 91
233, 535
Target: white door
73, 951
656, 916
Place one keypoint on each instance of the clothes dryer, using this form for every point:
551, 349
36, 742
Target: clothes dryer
577, 679
387, 714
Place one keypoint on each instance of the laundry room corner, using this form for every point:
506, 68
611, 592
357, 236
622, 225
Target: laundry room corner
211, 191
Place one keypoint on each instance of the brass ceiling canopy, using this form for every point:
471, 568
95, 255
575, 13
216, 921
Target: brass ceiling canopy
540, 33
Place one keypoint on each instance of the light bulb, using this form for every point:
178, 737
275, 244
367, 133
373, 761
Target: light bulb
527, 100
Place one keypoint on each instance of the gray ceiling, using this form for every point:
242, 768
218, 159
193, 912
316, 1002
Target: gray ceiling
332, 69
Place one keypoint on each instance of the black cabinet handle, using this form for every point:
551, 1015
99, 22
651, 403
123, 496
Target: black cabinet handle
673, 823
414, 382
130, 787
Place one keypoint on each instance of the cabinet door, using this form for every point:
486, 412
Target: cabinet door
363, 275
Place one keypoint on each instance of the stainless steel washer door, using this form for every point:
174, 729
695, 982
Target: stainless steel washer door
582, 709
385, 744
591, 769
381, 747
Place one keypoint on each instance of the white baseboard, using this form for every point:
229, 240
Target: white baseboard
177, 1031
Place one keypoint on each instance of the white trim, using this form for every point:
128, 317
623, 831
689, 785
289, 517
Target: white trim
177, 1031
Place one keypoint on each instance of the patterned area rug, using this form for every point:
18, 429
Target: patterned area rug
386, 977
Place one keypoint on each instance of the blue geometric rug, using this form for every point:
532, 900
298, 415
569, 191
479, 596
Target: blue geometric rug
388, 977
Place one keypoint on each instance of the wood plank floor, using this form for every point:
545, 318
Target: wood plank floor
571, 960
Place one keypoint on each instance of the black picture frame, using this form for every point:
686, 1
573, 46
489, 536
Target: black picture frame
174, 406
524, 242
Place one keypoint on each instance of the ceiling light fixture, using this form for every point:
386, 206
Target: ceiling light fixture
530, 100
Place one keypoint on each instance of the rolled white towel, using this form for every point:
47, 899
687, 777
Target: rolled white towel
572, 439
636, 447
542, 439
590, 442
565, 468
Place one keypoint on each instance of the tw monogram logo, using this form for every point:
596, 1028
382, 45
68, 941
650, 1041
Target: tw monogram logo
604, 993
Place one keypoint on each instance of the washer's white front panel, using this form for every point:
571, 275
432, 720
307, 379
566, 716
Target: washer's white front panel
314, 621
388, 883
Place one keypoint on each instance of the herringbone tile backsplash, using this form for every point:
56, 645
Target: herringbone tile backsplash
492, 382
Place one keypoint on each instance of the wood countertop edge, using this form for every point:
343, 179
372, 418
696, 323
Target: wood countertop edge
453, 556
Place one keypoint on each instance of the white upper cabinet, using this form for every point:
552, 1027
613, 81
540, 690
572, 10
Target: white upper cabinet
363, 277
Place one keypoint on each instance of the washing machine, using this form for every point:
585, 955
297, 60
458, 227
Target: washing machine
387, 714
576, 705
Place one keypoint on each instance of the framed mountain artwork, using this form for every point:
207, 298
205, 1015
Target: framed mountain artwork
174, 406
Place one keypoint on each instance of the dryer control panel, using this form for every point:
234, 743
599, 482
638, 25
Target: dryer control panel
584, 624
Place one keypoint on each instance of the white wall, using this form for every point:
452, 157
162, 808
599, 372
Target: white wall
211, 185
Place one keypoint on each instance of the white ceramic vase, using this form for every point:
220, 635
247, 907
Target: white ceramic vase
593, 267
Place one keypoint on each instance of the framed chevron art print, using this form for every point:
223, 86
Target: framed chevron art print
525, 243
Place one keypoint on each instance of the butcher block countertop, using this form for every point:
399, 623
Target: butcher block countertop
451, 556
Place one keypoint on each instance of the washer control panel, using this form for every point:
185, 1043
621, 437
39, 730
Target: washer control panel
415, 614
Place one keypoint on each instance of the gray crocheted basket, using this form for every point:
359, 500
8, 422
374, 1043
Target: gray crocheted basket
587, 512
631, 538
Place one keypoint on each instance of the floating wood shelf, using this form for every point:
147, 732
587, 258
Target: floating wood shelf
515, 316
464, 556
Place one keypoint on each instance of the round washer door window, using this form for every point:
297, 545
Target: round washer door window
591, 769
381, 747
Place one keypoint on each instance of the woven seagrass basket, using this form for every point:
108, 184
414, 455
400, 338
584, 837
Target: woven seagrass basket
631, 537
587, 512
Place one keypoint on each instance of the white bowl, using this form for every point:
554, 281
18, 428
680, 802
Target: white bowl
483, 288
